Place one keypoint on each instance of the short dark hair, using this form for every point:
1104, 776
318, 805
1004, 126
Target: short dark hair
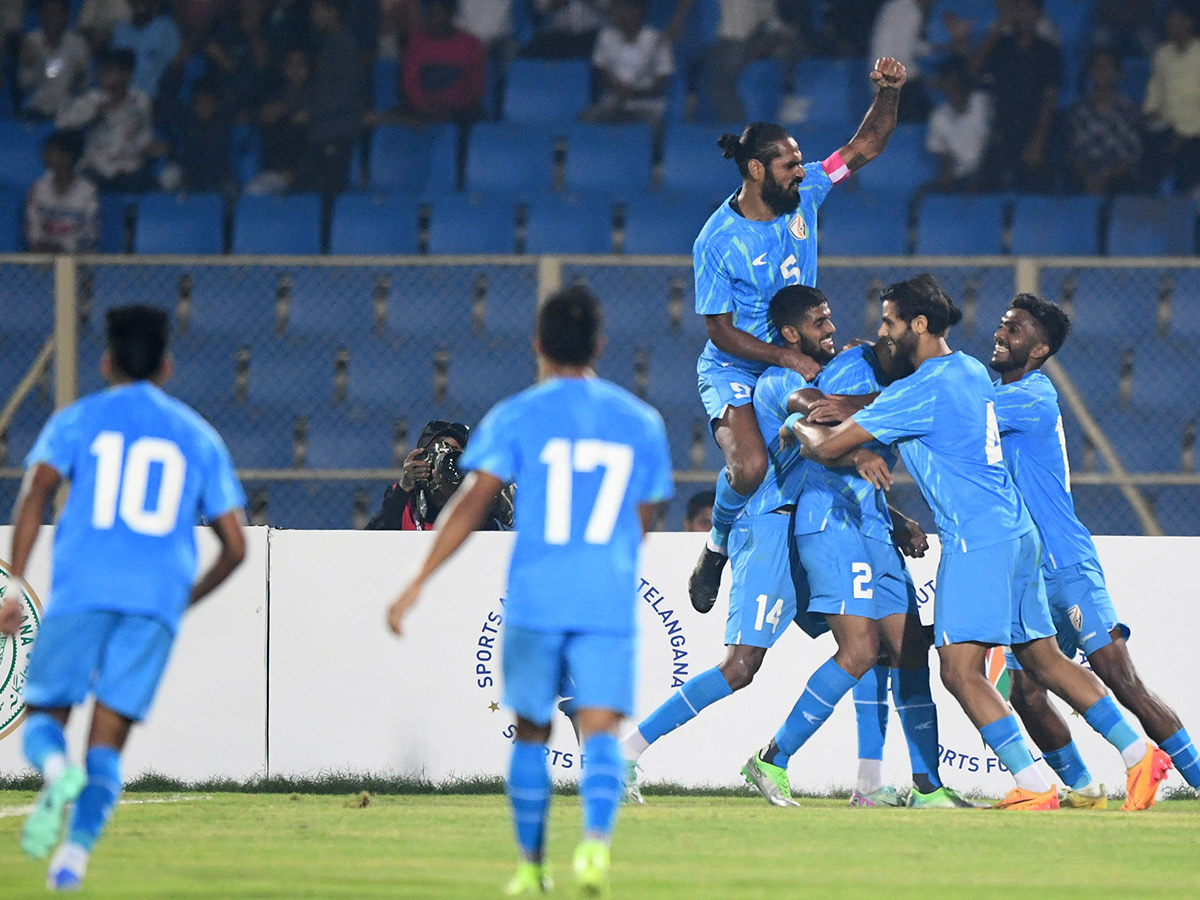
921, 295
758, 140
137, 339
68, 141
791, 303
568, 326
1051, 318
118, 58
698, 501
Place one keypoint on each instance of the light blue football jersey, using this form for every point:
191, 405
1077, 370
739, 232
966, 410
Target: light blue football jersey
584, 454
143, 468
1035, 451
781, 484
741, 264
943, 417
839, 498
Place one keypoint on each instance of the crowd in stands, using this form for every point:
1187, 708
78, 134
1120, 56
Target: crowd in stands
276, 96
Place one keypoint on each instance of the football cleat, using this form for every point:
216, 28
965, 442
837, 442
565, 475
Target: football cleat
705, 581
67, 868
591, 868
531, 878
884, 796
939, 798
43, 827
1142, 780
1019, 798
1092, 797
630, 792
771, 781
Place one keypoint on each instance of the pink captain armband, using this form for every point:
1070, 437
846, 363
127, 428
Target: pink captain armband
835, 167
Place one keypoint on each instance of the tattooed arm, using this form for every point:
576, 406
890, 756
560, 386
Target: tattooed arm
872, 135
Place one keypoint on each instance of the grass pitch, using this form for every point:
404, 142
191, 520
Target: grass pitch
232, 846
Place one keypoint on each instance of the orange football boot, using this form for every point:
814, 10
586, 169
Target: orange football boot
1142, 780
1019, 798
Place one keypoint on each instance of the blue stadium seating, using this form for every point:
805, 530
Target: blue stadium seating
113, 211
316, 505
1146, 440
569, 224
469, 224
903, 166
337, 440
205, 367
367, 224
1178, 509
167, 223
413, 159
484, 371
835, 106
692, 164
1185, 310
1116, 303
235, 299
385, 380
385, 78
12, 232
861, 223
760, 88
612, 158
1165, 375
1152, 226
1104, 510
1056, 226
278, 225
546, 92
334, 301
257, 437
650, 304
958, 225
21, 153
664, 224
294, 374
508, 158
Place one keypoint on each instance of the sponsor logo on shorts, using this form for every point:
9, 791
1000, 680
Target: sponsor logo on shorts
14, 655
798, 228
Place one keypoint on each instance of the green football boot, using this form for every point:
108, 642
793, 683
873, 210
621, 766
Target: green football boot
771, 781
531, 879
43, 827
941, 798
591, 868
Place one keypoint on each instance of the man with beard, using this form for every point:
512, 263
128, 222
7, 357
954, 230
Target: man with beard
1035, 452
763, 238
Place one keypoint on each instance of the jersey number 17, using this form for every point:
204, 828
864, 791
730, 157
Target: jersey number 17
563, 458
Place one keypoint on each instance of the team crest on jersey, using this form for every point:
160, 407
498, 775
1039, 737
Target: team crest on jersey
798, 228
1076, 617
14, 655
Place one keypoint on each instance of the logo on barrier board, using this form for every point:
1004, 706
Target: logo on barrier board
14, 655
670, 639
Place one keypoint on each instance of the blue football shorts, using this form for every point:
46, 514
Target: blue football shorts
993, 595
116, 656
851, 574
723, 385
762, 595
601, 669
1081, 607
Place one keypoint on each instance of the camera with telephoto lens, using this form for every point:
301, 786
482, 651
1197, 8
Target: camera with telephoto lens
442, 457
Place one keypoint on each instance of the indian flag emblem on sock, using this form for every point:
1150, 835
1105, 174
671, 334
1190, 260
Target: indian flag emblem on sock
14, 653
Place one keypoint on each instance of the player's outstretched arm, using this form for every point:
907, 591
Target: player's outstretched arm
732, 340
39, 486
461, 516
233, 551
880, 121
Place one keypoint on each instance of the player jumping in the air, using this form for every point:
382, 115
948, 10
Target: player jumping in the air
142, 467
759, 240
593, 464
1035, 452
990, 589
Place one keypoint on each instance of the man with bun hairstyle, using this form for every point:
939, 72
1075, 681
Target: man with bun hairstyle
763, 238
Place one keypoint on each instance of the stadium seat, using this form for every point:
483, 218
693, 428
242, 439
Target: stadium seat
1178, 509
468, 224
337, 440
760, 88
483, 371
12, 232
834, 106
1152, 226
327, 505
337, 302
1146, 440
1104, 510
21, 153
664, 224
239, 300
366, 224
859, 223
958, 225
257, 437
903, 166
1165, 375
1108, 303
546, 92
613, 158
1183, 288
288, 225
569, 224
651, 304
385, 80
295, 374
183, 224
114, 210
1056, 226
693, 165
26, 298
403, 158
511, 159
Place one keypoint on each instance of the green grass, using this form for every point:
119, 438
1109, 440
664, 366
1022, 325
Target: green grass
231, 846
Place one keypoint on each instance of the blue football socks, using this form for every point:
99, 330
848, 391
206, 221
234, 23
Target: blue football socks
44, 742
685, 704
529, 796
1069, 766
918, 716
727, 506
600, 786
871, 712
824, 689
95, 804
1183, 753
1106, 720
1004, 737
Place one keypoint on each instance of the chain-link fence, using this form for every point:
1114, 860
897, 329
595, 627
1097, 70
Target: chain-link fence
320, 374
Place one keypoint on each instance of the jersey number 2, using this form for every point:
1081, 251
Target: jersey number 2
564, 458
126, 477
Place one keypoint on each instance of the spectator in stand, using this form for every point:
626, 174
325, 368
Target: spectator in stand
238, 57
62, 210
54, 63
334, 106
98, 18
443, 73
633, 62
958, 128
154, 40
747, 30
1125, 27
566, 28
120, 142
203, 157
282, 138
1104, 137
698, 516
1172, 104
1023, 72
289, 25
899, 32
491, 21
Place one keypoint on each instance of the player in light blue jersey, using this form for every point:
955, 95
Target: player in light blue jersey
592, 463
1035, 451
990, 589
759, 240
143, 468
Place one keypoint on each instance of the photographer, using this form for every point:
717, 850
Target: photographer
429, 479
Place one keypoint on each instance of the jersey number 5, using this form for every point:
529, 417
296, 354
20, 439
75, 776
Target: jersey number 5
127, 476
563, 459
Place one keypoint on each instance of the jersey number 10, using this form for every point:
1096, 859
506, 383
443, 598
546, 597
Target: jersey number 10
126, 476
563, 459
